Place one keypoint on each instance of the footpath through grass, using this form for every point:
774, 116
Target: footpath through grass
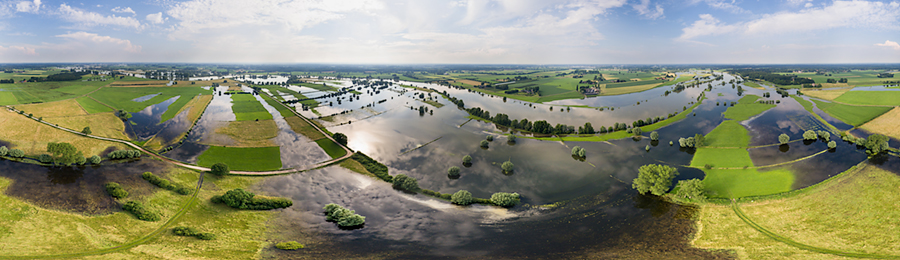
242, 159
853, 115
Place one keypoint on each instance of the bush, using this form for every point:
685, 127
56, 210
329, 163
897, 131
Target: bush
512, 139
453, 172
403, 182
507, 167
166, 184
832, 145
219, 169
489, 138
637, 131
343, 217
3, 150
241, 199
115, 190
484, 143
16, 153
784, 138
94, 159
654, 136
691, 189
467, 160
290, 245
124, 154
504, 199
206, 236
825, 135
184, 231
578, 151
140, 212
373, 166
45, 158
340, 138
462, 197
810, 135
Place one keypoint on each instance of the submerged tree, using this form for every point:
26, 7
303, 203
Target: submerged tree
462, 197
654, 178
453, 172
507, 167
484, 143
691, 189
810, 135
784, 138
340, 138
504, 199
467, 160
64, 153
406, 183
875, 144
654, 136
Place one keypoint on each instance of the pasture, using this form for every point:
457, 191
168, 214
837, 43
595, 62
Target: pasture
32, 137
242, 158
745, 108
251, 133
853, 115
247, 108
880, 98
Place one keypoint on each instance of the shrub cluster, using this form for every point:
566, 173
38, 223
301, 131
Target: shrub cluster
16, 153
290, 245
504, 199
140, 211
165, 184
578, 151
406, 183
373, 166
810, 135
343, 217
3, 150
241, 199
115, 190
453, 172
124, 154
190, 232
467, 160
462, 197
436, 194
507, 167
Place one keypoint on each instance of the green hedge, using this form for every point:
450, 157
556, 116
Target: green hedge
373, 166
140, 211
115, 190
190, 232
241, 199
165, 184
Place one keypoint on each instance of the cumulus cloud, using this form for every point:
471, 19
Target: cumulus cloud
86, 18
889, 44
728, 6
841, 14
85, 37
644, 9
119, 9
28, 7
20, 49
156, 18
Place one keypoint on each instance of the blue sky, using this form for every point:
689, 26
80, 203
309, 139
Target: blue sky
421, 31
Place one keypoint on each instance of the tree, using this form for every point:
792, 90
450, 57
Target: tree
825, 135
810, 135
690, 189
588, 128
94, 159
340, 138
507, 167
86, 130
832, 144
462, 197
115, 190
654, 178
64, 153
699, 140
16, 153
219, 169
489, 138
578, 151
637, 131
3, 150
403, 182
453, 172
876, 144
654, 136
512, 138
484, 143
467, 160
784, 138
686, 142
504, 199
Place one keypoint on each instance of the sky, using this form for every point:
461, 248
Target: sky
451, 32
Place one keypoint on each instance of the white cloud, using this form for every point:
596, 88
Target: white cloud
890, 44
808, 5
85, 18
119, 9
156, 18
644, 9
28, 7
20, 49
841, 14
93, 38
723, 5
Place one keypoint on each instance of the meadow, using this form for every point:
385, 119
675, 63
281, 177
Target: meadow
242, 158
854, 78
121, 98
830, 94
880, 98
853, 115
887, 124
32, 137
746, 107
247, 108
251, 133
38, 92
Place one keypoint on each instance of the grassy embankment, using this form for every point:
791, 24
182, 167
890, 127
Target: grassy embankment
32, 137
731, 172
300, 126
853, 115
887, 124
851, 212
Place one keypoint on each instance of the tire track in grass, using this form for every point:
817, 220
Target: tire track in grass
790, 242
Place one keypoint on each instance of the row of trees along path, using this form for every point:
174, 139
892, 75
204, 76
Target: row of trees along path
200, 168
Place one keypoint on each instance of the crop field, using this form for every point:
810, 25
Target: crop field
887, 124
882, 98
251, 133
242, 158
68, 107
826, 94
102, 124
246, 107
746, 108
36, 92
32, 137
91, 106
853, 115
852, 212
141, 83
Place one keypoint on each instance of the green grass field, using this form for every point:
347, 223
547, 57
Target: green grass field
33, 92
121, 98
883, 98
746, 182
722, 157
285, 112
855, 78
746, 108
331, 148
8, 98
318, 87
242, 159
853, 115
91, 106
247, 108
728, 134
